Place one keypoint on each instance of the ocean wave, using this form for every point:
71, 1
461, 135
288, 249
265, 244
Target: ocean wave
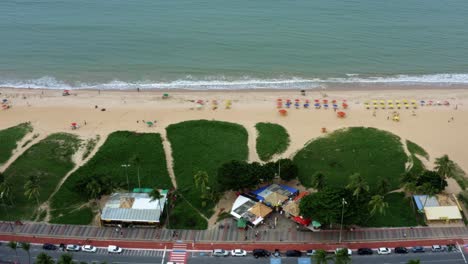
213, 83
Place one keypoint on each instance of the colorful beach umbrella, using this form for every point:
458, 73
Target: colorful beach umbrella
283, 112
341, 114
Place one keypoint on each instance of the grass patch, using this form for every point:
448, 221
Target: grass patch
204, 145
82, 216
418, 167
373, 153
121, 147
183, 216
89, 145
415, 149
272, 139
399, 213
9, 138
460, 177
50, 159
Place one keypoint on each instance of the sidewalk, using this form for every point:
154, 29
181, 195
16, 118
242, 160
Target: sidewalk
229, 233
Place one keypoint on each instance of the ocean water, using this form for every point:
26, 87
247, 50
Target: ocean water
220, 44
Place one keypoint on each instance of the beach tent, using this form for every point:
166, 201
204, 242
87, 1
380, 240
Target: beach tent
149, 123
283, 112
66, 92
341, 114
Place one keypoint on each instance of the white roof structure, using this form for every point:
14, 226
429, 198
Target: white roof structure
134, 207
243, 206
442, 213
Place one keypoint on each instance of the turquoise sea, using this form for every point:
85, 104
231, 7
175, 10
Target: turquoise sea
212, 44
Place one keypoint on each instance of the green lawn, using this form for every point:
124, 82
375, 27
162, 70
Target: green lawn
204, 145
120, 148
272, 139
415, 149
9, 138
182, 216
50, 159
82, 216
399, 213
373, 153
418, 166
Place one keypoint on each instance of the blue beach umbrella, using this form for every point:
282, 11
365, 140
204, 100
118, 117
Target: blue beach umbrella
325, 105
306, 105
335, 106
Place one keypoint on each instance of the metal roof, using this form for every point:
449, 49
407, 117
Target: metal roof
133, 207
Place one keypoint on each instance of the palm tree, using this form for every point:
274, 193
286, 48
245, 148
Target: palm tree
156, 195
43, 258
357, 184
32, 188
137, 161
413, 261
445, 167
14, 245
201, 181
5, 188
318, 181
26, 247
94, 189
65, 259
321, 257
378, 204
383, 186
342, 256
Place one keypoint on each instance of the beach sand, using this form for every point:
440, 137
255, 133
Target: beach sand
432, 127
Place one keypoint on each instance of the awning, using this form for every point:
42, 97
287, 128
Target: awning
301, 220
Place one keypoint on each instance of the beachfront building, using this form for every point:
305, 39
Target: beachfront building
439, 209
275, 195
136, 208
248, 211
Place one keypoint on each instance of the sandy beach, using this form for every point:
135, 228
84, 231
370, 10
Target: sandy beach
431, 127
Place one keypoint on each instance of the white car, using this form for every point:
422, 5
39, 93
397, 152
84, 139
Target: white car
114, 249
384, 251
220, 253
350, 252
72, 247
238, 253
88, 248
437, 248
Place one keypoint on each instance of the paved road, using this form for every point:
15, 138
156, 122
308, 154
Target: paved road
127, 257
428, 257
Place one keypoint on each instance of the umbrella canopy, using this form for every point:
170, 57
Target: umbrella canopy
316, 224
73, 124
297, 100
283, 111
241, 223
316, 100
341, 114
335, 106
325, 101
325, 105
149, 123
275, 199
316, 104
5, 100
279, 100
260, 210
302, 221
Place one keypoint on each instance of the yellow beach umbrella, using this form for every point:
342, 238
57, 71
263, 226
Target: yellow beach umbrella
374, 101
405, 101
413, 101
390, 106
389, 101
382, 102
397, 101
398, 105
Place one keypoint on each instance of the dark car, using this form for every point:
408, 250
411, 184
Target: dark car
49, 247
401, 250
293, 253
365, 251
257, 253
277, 253
418, 249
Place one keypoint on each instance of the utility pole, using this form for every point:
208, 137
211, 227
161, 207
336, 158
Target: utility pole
343, 202
126, 174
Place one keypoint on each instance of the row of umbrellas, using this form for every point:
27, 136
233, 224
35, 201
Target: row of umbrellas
317, 103
339, 114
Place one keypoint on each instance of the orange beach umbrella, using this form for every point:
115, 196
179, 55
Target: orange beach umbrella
341, 114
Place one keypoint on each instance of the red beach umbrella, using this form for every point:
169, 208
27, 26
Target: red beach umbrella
283, 112
317, 100
279, 100
341, 114
345, 105
334, 101
325, 101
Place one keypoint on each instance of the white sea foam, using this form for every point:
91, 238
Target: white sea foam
213, 83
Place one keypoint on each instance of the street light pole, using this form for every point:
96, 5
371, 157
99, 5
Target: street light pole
126, 174
343, 202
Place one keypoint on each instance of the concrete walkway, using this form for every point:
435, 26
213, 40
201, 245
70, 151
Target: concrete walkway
229, 233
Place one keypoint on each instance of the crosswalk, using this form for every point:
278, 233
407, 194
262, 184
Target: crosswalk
178, 254
135, 252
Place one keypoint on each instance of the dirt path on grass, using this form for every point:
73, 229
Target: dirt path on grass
252, 142
169, 160
20, 149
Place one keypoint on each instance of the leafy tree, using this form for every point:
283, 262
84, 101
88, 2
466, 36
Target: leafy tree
5, 188
288, 170
357, 185
65, 259
408, 177
321, 257
14, 245
377, 204
26, 247
156, 196
269, 170
413, 261
32, 188
433, 178
383, 186
318, 181
428, 190
445, 167
43, 258
342, 256
235, 175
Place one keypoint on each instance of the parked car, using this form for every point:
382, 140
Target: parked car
238, 253
350, 252
49, 246
418, 249
311, 252
401, 250
277, 253
365, 251
114, 249
220, 253
89, 248
257, 253
384, 251
293, 253
72, 247
437, 248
